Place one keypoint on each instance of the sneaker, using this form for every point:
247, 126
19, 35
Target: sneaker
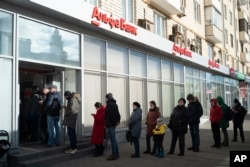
70, 151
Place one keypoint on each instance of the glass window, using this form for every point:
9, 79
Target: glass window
154, 67
197, 12
196, 73
137, 66
231, 17
225, 11
117, 59
189, 71
210, 51
232, 40
6, 34
93, 82
94, 54
178, 73
6, 94
189, 88
118, 86
167, 74
128, 10
168, 101
92, 2
49, 45
138, 93
178, 92
154, 90
159, 25
217, 18
198, 45
226, 36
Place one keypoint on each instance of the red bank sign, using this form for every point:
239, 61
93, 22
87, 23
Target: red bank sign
181, 51
213, 64
113, 23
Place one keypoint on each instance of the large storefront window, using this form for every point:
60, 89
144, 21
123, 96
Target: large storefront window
118, 86
45, 43
167, 74
154, 68
94, 54
154, 90
168, 102
6, 33
117, 59
6, 94
137, 65
178, 73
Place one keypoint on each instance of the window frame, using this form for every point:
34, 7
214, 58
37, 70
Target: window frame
128, 5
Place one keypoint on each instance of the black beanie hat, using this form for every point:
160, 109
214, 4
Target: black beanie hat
236, 100
67, 93
109, 96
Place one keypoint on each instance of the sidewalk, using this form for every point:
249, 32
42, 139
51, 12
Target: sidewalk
207, 157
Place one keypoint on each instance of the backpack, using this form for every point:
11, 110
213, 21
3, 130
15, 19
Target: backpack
54, 108
228, 114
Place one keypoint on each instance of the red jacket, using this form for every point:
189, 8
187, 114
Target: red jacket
99, 126
216, 113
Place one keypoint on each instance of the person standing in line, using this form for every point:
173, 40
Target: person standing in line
238, 115
216, 114
159, 132
134, 125
53, 107
152, 116
34, 113
70, 117
224, 124
178, 124
112, 119
98, 131
195, 111
44, 125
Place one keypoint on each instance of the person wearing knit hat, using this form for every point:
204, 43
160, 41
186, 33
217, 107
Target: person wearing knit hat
178, 124
238, 115
158, 134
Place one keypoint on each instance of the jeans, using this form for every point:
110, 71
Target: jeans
195, 135
72, 137
136, 145
53, 123
111, 133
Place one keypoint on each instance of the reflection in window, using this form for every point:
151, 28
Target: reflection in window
6, 33
49, 44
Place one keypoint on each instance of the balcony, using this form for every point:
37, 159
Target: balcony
168, 7
244, 57
214, 3
244, 37
213, 33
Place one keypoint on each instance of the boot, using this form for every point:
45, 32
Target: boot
97, 151
101, 149
161, 154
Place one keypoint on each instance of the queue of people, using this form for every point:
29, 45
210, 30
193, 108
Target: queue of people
107, 118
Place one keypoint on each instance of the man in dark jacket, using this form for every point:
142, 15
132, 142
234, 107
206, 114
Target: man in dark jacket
195, 111
238, 115
112, 118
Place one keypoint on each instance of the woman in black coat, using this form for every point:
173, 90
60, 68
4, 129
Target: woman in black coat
178, 124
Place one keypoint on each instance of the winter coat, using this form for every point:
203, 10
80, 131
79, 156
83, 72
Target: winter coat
216, 113
179, 119
160, 129
152, 116
224, 123
71, 111
35, 106
195, 111
98, 131
238, 117
112, 115
134, 122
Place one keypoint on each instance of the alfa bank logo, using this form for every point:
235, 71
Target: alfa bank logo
239, 158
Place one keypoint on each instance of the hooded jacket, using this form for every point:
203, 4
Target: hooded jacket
224, 122
112, 116
216, 113
71, 111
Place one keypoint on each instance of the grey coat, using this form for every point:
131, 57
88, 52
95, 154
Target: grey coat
71, 111
134, 123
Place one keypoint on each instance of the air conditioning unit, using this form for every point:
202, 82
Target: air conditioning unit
144, 23
171, 38
177, 29
183, 12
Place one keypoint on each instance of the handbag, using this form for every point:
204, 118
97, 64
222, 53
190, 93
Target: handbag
129, 136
